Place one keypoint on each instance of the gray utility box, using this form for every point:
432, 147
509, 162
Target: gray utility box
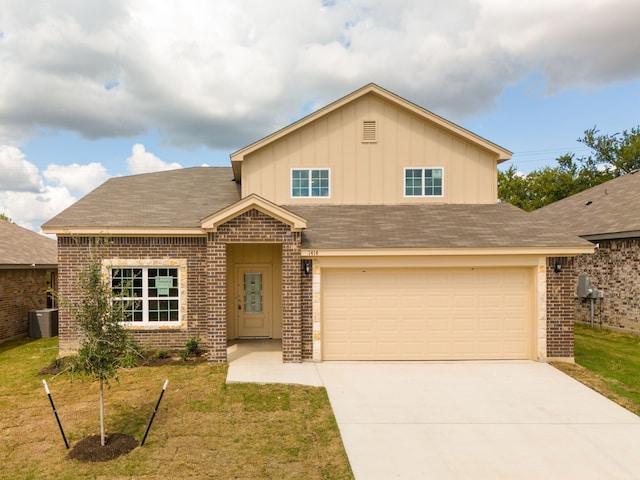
43, 323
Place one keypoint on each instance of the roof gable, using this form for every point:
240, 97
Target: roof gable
212, 222
238, 157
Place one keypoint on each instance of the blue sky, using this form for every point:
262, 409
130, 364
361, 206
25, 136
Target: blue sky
88, 93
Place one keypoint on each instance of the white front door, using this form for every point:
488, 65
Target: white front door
253, 299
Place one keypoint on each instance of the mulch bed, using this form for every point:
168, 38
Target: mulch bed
90, 450
147, 361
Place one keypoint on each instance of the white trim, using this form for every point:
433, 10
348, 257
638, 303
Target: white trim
180, 264
308, 169
432, 252
212, 222
422, 195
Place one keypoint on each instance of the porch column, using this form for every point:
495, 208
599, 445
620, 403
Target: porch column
291, 298
216, 299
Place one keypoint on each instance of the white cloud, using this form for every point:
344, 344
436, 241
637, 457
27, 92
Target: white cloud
78, 179
30, 202
32, 209
142, 161
16, 173
225, 73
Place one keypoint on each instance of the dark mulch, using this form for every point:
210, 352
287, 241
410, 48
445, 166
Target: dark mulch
90, 450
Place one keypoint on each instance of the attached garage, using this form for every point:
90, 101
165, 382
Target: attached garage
428, 313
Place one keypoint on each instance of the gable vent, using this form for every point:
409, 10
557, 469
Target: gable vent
369, 131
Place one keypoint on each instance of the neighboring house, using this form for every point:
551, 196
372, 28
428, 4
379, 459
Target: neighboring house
28, 264
369, 229
608, 215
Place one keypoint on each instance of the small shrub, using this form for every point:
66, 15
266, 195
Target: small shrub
162, 353
192, 349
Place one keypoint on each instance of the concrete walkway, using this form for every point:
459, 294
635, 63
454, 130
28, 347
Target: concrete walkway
464, 420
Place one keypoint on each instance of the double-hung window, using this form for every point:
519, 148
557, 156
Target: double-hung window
149, 295
423, 182
309, 182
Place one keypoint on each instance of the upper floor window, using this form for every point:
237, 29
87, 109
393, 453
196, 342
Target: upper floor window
149, 295
310, 182
423, 182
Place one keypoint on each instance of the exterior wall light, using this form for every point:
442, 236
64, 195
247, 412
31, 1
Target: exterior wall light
306, 267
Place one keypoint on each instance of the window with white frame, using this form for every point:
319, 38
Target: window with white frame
309, 182
423, 182
149, 295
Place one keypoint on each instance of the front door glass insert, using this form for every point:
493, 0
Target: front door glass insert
253, 292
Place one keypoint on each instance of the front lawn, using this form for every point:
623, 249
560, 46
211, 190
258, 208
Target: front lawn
609, 363
203, 428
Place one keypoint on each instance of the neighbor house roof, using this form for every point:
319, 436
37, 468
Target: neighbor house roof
169, 201
20, 248
502, 154
608, 210
498, 225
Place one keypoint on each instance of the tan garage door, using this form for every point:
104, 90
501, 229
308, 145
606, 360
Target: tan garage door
427, 314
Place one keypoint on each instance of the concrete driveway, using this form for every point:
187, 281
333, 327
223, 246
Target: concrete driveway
478, 420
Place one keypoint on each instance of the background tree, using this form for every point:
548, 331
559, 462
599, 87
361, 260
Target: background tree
106, 345
611, 156
4, 217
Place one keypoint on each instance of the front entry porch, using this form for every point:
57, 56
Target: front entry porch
254, 277
260, 361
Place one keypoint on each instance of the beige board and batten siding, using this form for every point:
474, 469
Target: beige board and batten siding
428, 313
365, 172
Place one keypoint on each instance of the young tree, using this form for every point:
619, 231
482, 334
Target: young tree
105, 343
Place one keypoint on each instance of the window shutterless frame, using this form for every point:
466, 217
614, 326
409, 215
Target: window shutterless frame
150, 295
423, 182
310, 183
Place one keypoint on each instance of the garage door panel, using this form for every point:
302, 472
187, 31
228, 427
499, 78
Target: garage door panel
426, 314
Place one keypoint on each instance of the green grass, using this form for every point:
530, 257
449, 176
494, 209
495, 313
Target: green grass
612, 363
204, 428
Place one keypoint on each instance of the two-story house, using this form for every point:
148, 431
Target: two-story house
369, 229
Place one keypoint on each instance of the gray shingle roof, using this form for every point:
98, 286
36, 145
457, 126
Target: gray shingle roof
171, 199
427, 226
608, 210
182, 198
22, 247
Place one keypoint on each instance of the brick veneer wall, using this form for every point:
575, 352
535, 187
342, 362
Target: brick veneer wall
561, 288
21, 290
614, 268
75, 252
254, 226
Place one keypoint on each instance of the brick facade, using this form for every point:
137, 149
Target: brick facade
74, 254
21, 290
206, 297
614, 268
561, 288
254, 226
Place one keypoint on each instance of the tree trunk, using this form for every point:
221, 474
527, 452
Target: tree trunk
102, 436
